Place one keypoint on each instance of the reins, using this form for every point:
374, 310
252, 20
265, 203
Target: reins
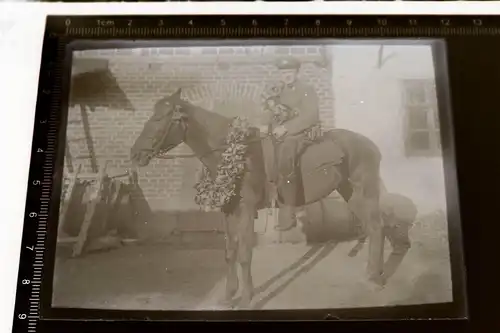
220, 148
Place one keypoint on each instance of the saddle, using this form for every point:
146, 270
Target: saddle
316, 175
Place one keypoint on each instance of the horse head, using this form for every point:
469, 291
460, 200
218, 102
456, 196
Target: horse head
165, 130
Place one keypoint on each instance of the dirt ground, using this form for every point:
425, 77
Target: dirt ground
166, 277
145, 277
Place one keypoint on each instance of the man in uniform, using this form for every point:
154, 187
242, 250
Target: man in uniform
294, 114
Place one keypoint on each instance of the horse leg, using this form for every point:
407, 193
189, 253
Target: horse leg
364, 203
246, 242
346, 191
358, 247
231, 256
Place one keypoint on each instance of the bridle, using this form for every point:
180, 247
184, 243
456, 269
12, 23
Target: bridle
178, 116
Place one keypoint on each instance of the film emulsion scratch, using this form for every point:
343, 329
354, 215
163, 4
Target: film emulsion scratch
267, 175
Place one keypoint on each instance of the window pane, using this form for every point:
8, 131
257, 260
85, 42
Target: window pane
420, 141
415, 92
431, 91
417, 118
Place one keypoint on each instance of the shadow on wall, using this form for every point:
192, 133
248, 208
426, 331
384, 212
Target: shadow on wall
124, 215
118, 211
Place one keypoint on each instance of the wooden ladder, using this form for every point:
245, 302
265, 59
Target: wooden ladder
96, 197
97, 177
84, 120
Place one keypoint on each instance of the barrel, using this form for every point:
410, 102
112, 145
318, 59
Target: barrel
330, 220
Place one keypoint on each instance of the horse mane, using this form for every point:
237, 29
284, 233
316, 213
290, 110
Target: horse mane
214, 127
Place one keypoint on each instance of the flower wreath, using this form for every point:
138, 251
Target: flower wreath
216, 193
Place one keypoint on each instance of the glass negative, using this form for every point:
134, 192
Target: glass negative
357, 121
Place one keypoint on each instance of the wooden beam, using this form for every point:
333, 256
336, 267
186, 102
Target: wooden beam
90, 212
68, 158
88, 138
66, 200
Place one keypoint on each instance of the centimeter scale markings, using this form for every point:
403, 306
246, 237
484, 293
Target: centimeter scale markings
39, 191
275, 27
61, 30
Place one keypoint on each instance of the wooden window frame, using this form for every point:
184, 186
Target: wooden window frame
432, 118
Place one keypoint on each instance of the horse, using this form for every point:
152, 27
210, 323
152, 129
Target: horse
340, 160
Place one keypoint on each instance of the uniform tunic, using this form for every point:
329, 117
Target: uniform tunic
303, 100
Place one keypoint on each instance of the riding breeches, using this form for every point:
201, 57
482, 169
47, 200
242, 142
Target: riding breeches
289, 151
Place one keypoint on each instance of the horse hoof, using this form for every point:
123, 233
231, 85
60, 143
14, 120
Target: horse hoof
225, 305
370, 286
245, 303
243, 306
377, 282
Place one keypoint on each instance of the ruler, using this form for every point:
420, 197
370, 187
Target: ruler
271, 26
44, 187
40, 189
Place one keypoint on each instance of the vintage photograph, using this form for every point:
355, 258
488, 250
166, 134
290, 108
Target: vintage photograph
253, 176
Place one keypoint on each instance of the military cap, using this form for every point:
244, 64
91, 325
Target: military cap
288, 63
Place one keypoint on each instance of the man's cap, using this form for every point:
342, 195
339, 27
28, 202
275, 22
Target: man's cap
288, 63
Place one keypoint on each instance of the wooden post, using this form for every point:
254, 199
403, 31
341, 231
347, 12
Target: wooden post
91, 209
134, 200
88, 138
113, 201
69, 158
66, 200
133, 176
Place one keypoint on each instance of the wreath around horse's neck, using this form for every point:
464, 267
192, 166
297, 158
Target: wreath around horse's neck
219, 191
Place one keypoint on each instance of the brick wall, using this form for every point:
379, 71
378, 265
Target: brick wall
227, 80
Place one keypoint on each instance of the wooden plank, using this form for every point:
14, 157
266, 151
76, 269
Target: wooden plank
110, 202
66, 199
116, 197
89, 214
133, 176
69, 159
121, 199
88, 136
